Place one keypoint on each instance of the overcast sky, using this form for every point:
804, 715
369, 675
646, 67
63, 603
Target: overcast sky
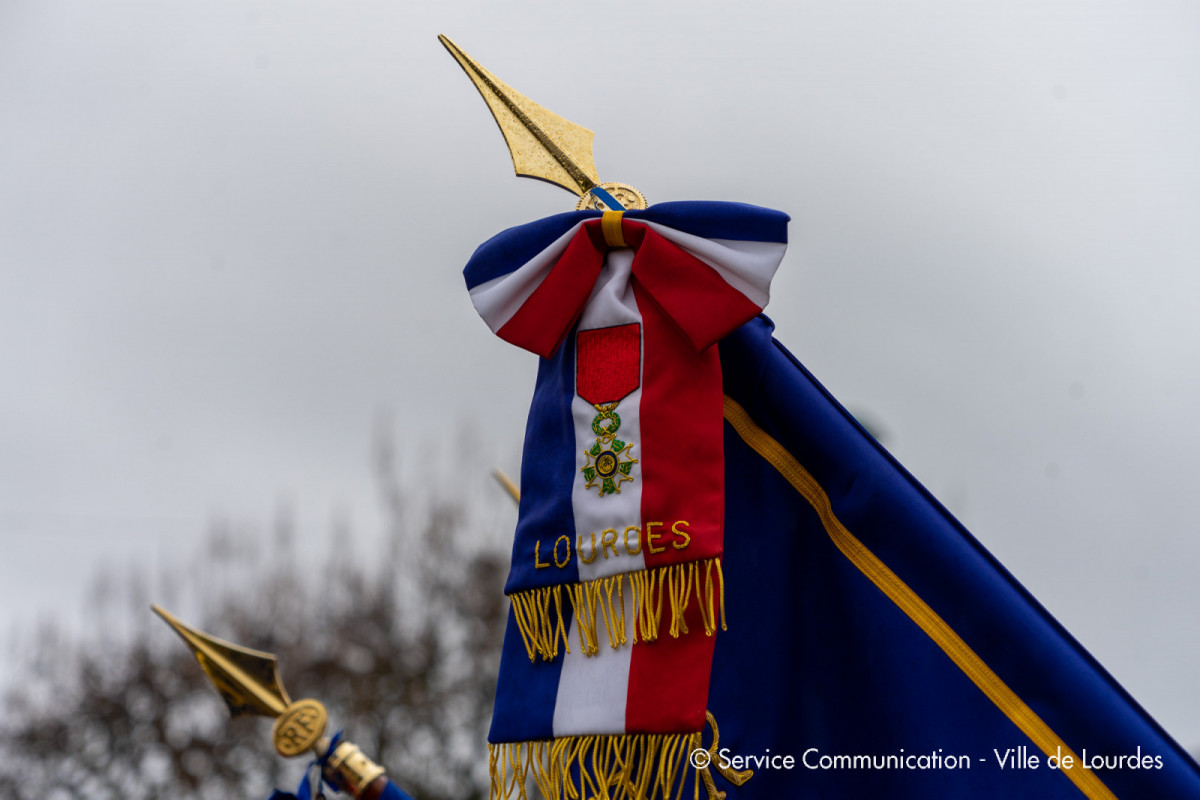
232, 233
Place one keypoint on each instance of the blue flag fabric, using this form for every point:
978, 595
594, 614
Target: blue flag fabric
314, 780
874, 648
868, 645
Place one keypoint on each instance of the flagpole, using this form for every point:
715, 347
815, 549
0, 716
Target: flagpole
248, 681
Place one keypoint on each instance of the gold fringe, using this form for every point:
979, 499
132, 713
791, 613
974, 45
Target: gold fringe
539, 612
640, 766
617, 767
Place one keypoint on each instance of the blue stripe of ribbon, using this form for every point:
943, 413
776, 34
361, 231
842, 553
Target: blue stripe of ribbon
607, 199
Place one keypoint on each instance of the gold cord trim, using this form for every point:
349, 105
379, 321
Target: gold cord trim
640, 766
598, 607
610, 226
911, 604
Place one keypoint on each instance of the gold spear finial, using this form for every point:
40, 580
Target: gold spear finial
542, 144
248, 681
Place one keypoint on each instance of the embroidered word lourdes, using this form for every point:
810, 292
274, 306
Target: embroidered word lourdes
609, 539
607, 369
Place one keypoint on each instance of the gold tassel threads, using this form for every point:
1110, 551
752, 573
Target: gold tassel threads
640, 766
599, 608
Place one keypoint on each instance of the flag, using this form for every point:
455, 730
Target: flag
916, 645
839, 635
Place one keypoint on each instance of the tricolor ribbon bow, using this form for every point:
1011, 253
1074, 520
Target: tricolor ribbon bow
623, 472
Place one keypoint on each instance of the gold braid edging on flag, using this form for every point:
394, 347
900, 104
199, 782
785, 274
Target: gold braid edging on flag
911, 604
638, 766
539, 612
